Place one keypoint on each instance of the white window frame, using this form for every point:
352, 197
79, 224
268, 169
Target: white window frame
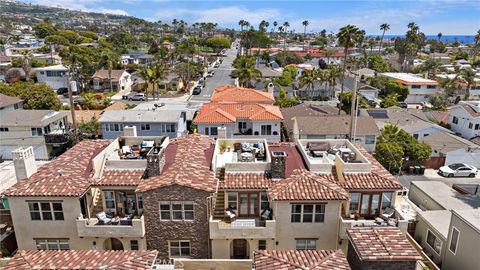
48, 242
180, 248
315, 205
456, 243
172, 211
305, 244
436, 239
36, 133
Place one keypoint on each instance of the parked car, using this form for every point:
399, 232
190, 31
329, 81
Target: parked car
210, 74
197, 90
137, 97
458, 170
217, 65
62, 91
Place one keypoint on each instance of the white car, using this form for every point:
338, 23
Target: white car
210, 74
458, 169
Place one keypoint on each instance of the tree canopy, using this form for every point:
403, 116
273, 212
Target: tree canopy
36, 96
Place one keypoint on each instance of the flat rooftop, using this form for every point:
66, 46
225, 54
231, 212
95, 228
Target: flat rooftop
471, 216
438, 219
446, 196
408, 78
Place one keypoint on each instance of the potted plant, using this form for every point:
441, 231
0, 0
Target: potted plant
223, 146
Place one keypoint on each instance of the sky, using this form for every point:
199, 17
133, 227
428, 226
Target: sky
450, 17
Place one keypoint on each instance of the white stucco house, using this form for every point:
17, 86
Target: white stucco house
53, 76
419, 89
465, 119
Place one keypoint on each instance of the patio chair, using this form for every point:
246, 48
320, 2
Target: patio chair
104, 219
387, 213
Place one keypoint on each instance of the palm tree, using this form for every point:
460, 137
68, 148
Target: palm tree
323, 75
285, 26
275, 23
245, 70
384, 27
305, 24
109, 59
335, 74
241, 23
147, 74
439, 35
328, 53
431, 66
468, 75
389, 133
308, 79
26, 63
347, 37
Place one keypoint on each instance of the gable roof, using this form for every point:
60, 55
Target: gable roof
8, 100
30, 118
103, 74
187, 164
304, 185
121, 178
335, 124
67, 176
230, 93
382, 244
300, 259
82, 259
304, 109
444, 142
229, 112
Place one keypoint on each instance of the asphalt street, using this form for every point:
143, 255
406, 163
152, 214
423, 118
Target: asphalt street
221, 77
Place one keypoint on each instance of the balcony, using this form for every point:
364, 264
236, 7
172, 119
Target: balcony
348, 223
54, 138
122, 228
242, 228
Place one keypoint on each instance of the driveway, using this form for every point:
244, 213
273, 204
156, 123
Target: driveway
221, 77
431, 175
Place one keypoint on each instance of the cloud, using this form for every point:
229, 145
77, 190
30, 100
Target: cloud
223, 15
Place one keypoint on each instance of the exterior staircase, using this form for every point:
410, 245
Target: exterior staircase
219, 207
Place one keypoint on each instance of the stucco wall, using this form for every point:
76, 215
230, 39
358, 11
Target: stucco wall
326, 232
418, 197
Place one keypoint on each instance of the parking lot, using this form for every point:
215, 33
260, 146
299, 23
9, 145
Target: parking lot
431, 175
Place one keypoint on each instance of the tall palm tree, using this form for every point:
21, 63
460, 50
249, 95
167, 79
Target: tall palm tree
348, 36
389, 133
275, 23
468, 75
328, 53
147, 74
285, 26
384, 27
335, 74
439, 35
305, 24
241, 23
109, 60
431, 67
245, 70
323, 76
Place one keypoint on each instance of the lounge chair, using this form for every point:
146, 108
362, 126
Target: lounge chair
104, 219
387, 213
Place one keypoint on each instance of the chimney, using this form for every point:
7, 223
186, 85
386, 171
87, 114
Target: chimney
222, 133
270, 88
24, 162
130, 131
279, 160
155, 161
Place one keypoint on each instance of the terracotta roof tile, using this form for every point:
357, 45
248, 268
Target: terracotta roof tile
121, 178
246, 181
229, 112
304, 185
81, 259
381, 243
68, 175
300, 259
190, 166
230, 93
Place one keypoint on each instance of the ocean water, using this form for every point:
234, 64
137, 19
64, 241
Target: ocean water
465, 39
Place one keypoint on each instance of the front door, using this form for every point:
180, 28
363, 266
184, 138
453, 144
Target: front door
240, 249
248, 204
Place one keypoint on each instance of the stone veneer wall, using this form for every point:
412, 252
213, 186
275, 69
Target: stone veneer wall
357, 264
158, 232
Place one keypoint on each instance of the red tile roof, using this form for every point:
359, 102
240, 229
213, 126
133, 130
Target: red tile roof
300, 259
68, 175
469, 109
229, 112
246, 181
319, 54
121, 178
304, 185
8, 100
82, 259
230, 93
190, 166
381, 244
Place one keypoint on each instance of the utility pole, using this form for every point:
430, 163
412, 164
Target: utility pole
353, 109
72, 109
